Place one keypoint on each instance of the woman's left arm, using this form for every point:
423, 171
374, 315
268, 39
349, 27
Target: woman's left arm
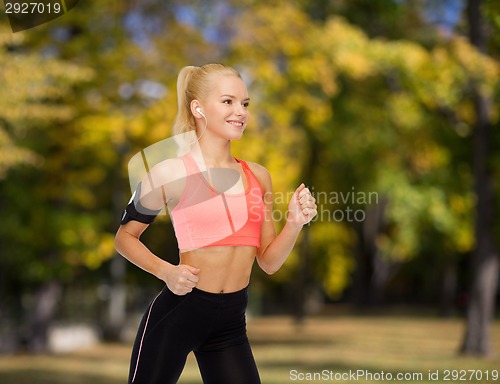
274, 249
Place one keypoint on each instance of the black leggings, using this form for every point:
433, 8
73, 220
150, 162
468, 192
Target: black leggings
210, 324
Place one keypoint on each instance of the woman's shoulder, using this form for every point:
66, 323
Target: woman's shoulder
167, 170
261, 173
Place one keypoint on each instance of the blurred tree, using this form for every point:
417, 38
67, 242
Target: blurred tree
34, 100
484, 260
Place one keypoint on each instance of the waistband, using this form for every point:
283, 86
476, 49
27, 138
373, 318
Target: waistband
221, 296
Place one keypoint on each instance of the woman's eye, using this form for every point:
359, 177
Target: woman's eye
228, 101
246, 105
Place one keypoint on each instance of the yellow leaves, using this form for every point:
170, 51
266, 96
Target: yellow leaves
480, 68
9, 38
447, 76
359, 57
438, 77
158, 120
268, 71
416, 209
326, 75
319, 115
440, 82
48, 78
402, 55
304, 70
404, 111
453, 217
354, 64
270, 29
84, 246
347, 48
33, 91
428, 156
336, 242
460, 204
96, 129
338, 274
283, 47
464, 238
12, 155
104, 251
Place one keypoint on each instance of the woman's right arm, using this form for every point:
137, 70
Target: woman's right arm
180, 279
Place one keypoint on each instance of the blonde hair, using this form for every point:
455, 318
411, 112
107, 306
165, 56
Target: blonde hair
194, 83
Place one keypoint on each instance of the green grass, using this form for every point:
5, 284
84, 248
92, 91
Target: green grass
337, 344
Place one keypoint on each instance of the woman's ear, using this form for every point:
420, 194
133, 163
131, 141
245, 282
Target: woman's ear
196, 109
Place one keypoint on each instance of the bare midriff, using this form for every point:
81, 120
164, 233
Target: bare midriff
223, 269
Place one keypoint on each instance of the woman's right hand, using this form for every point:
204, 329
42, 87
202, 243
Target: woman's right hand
181, 279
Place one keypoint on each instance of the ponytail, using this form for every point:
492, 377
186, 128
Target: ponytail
184, 121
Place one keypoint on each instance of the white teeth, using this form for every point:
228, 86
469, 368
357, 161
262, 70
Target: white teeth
237, 123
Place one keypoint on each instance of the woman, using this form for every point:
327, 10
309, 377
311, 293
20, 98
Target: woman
222, 224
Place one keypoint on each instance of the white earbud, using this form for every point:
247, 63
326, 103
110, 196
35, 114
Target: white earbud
198, 109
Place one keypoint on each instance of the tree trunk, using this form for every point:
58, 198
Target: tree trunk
41, 315
114, 322
303, 277
116, 310
371, 270
303, 281
484, 262
448, 288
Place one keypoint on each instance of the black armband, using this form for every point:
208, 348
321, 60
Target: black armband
135, 210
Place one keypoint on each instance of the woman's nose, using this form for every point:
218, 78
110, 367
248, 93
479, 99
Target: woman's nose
240, 110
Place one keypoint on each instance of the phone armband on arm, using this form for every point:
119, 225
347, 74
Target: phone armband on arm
135, 210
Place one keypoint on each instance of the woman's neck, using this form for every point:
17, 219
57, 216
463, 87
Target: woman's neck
214, 153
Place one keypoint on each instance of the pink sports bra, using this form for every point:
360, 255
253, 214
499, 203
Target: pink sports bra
206, 217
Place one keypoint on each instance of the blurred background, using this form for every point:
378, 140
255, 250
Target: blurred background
387, 109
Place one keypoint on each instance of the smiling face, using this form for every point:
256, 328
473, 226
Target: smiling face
226, 107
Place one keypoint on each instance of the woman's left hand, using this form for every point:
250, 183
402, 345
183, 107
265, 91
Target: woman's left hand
302, 207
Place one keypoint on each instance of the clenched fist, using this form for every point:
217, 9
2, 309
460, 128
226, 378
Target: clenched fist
302, 207
181, 279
